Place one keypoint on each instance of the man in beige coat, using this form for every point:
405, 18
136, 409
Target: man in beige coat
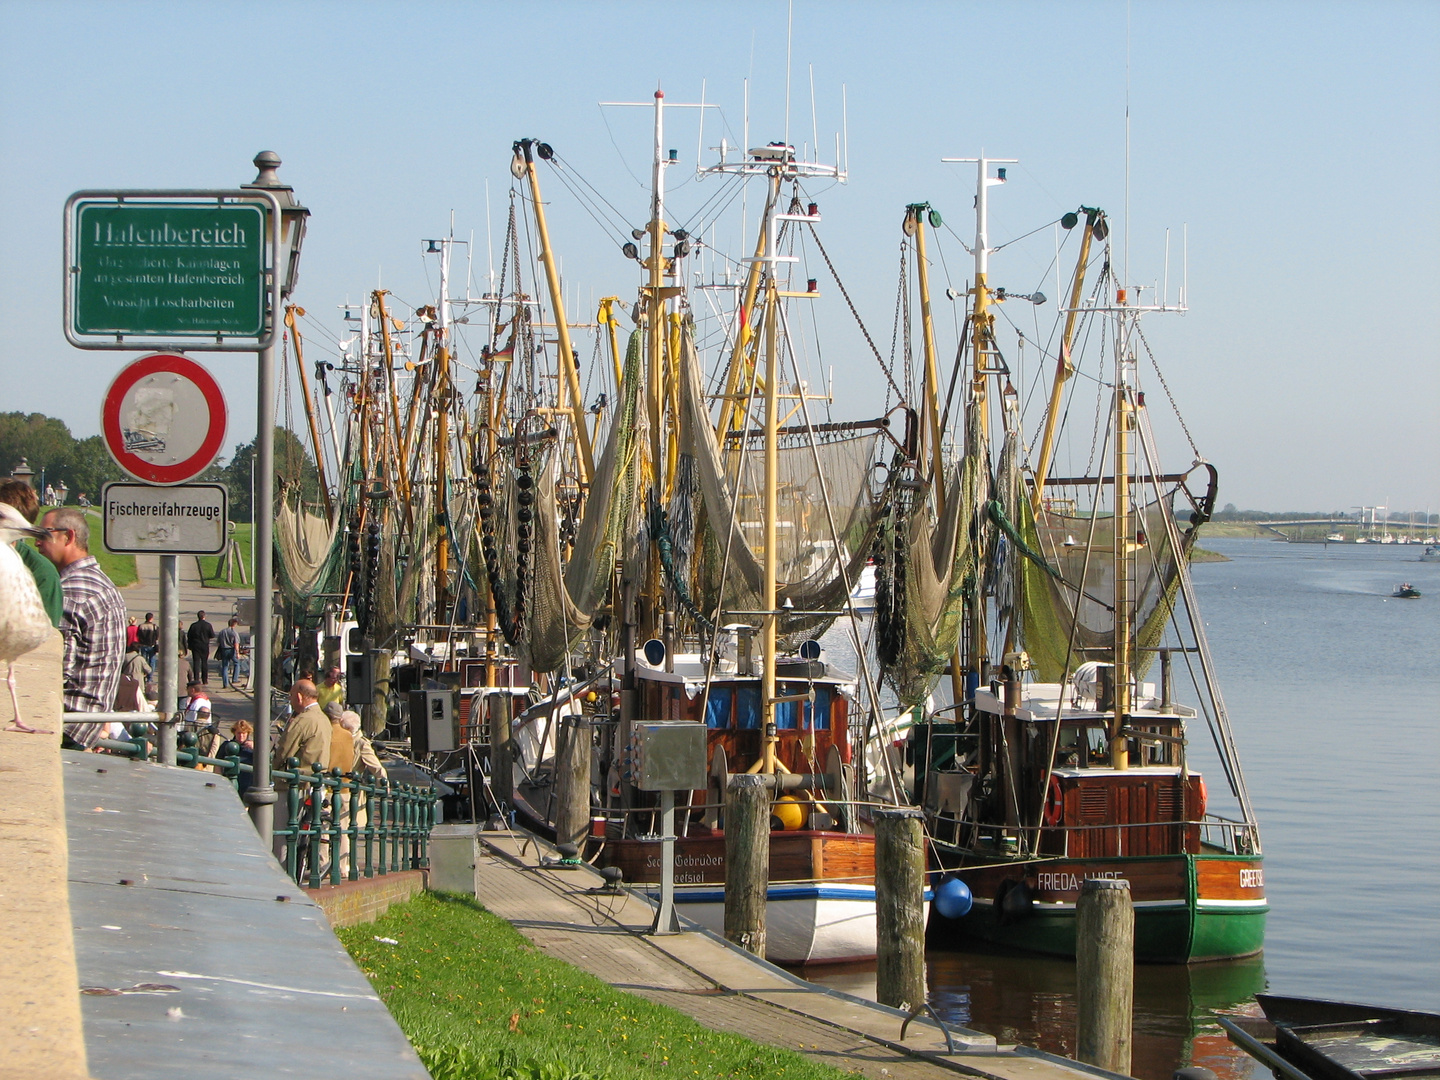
307, 737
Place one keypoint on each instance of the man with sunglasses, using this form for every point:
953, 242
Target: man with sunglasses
92, 623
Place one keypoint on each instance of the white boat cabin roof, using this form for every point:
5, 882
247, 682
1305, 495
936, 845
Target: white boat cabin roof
1040, 702
689, 671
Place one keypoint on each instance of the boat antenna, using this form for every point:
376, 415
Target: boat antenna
1126, 273
789, 41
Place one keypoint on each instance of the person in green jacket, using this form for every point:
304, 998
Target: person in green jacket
22, 497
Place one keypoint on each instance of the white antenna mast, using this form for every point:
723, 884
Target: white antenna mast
814, 125
789, 26
489, 241
700, 142
1126, 269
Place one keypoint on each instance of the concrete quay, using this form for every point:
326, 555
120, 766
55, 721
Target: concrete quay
722, 986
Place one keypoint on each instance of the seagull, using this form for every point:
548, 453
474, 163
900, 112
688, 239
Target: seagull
23, 623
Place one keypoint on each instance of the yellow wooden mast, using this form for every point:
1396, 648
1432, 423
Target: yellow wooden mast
1094, 222
567, 373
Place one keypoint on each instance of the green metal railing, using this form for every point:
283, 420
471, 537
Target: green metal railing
380, 827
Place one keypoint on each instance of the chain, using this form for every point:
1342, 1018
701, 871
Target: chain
1166, 386
858, 321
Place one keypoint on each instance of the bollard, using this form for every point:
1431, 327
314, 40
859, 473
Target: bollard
572, 782
899, 908
1105, 973
747, 860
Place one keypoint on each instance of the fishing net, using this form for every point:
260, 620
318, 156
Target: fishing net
928, 574
727, 556
1057, 601
566, 599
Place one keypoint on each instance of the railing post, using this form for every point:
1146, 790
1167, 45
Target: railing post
337, 801
427, 823
354, 828
397, 830
384, 837
292, 825
313, 833
142, 745
371, 822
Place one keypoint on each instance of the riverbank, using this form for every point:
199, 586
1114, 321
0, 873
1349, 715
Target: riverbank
1202, 555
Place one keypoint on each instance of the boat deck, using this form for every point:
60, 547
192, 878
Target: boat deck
723, 987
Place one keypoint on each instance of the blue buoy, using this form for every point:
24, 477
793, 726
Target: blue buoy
952, 898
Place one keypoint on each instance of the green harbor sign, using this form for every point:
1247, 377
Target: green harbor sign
168, 269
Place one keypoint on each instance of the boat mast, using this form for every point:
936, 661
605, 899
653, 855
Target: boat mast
566, 374
656, 295
772, 483
1123, 541
1095, 227
442, 440
982, 335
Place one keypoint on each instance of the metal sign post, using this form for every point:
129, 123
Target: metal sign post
193, 270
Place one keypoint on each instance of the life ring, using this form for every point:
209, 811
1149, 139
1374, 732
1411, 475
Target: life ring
1054, 804
1204, 799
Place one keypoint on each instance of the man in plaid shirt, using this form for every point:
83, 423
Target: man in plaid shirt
93, 622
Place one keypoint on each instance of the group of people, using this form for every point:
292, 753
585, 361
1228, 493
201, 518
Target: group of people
327, 735
110, 658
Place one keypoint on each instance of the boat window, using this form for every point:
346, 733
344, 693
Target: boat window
717, 708
787, 715
747, 708
818, 717
1098, 744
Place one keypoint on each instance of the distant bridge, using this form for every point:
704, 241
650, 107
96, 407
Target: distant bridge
1392, 526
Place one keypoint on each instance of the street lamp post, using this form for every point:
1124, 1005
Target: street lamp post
261, 794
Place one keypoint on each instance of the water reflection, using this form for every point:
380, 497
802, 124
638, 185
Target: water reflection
1027, 999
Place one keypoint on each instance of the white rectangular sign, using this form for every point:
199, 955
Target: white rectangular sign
186, 519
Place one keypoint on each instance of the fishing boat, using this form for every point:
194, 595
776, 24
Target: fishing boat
753, 530
1316, 1039
1063, 757
1406, 591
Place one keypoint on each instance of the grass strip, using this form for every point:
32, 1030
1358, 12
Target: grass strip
118, 568
210, 564
477, 1000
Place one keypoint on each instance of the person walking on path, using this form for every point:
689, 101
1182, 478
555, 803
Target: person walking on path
227, 653
147, 636
306, 737
93, 622
132, 631
198, 637
22, 497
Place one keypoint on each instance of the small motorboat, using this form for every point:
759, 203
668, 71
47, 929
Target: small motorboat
1406, 592
1333, 1040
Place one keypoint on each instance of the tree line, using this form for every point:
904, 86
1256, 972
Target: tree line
85, 465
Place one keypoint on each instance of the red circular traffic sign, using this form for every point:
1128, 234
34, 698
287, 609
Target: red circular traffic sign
164, 419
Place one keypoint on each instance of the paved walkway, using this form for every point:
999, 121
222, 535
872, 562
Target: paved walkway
218, 604
725, 988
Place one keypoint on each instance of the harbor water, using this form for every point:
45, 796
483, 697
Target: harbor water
1333, 690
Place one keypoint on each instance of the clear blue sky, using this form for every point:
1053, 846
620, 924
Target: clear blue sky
1299, 142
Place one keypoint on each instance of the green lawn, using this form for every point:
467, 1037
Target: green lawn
210, 564
118, 568
478, 1000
